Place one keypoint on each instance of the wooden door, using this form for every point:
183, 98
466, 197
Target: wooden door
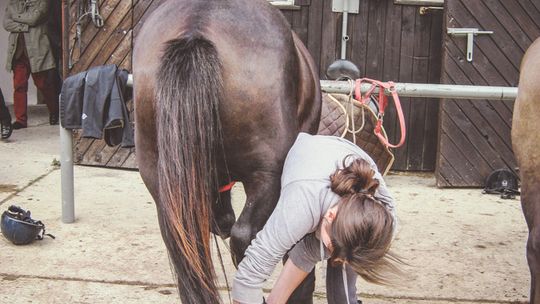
390, 42
474, 136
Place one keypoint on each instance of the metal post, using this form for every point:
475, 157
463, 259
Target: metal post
431, 90
344, 36
66, 172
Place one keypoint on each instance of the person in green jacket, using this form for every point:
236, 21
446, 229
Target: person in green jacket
30, 53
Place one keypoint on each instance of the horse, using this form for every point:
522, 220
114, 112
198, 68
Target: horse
221, 90
526, 146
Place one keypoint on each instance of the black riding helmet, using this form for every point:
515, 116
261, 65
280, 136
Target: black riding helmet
18, 227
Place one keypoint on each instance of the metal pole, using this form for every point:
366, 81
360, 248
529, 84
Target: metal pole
344, 36
431, 90
66, 173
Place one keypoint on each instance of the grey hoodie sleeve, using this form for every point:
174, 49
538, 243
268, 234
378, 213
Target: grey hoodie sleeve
297, 213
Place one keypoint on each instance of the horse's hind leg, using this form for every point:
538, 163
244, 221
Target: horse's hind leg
530, 202
223, 215
262, 193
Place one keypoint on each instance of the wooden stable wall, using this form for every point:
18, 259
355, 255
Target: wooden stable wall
388, 42
111, 44
475, 135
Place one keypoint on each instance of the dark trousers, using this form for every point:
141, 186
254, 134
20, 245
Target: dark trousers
45, 81
4, 112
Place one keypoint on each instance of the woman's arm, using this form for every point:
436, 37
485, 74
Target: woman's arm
12, 26
35, 14
296, 215
290, 277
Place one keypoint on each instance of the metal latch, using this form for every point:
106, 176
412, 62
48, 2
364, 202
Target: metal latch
470, 33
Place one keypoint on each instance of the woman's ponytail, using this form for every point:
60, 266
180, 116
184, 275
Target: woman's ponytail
354, 178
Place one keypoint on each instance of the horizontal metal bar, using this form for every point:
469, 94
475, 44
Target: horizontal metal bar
423, 90
431, 90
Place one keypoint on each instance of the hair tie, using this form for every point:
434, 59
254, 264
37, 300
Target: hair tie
365, 192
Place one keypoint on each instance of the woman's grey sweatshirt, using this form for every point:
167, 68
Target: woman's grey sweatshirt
305, 197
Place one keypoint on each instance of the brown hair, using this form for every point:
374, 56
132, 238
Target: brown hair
363, 228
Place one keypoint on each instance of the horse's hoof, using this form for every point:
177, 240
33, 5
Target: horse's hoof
240, 239
223, 226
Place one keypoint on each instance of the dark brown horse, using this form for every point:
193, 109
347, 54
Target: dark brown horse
526, 145
222, 89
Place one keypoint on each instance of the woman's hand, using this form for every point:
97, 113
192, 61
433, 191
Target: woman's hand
289, 278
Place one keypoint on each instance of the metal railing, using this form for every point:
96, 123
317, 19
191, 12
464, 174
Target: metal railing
403, 89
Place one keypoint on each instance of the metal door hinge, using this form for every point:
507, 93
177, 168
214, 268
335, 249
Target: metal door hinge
470, 33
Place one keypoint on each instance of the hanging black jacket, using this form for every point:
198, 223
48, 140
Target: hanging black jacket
94, 101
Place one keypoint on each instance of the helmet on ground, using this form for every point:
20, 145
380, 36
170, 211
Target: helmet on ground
18, 227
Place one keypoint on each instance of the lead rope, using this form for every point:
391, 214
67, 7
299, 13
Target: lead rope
354, 131
321, 247
223, 268
345, 283
343, 271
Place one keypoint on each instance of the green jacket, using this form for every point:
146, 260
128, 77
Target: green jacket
29, 17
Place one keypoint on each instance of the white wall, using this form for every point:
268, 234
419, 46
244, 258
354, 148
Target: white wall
6, 80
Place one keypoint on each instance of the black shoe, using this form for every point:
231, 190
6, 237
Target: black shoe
17, 125
6, 129
53, 119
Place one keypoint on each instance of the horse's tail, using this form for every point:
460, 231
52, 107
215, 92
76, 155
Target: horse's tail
189, 86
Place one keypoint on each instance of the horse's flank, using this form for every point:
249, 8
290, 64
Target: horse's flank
526, 146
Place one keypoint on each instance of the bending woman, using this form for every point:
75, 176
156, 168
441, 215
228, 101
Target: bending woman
333, 205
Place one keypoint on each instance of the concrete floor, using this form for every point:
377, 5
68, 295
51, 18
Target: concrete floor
462, 246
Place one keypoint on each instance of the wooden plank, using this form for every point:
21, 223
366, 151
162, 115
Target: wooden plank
375, 39
120, 157
131, 161
314, 31
358, 42
533, 9
92, 51
498, 124
126, 63
503, 41
92, 156
392, 42
431, 139
80, 146
88, 34
106, 154
528, 25
455, 156
299, 24
408, 19
391, 63
446, 173
481, 139
511, 26
485, 43
484, 75
417, 114
330, 37
119, 42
